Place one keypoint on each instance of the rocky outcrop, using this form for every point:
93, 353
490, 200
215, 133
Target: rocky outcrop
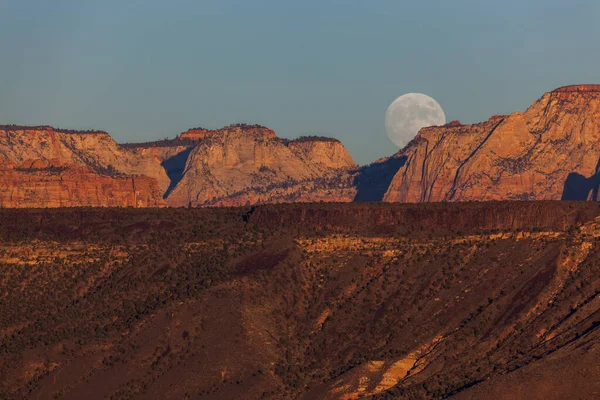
550, 151
201, 133
37, 184
328, 176
578, 89
321, 154
239, 164
244, 167
453, 124
95, 150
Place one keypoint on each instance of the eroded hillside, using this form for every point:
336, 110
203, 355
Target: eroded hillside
332, 301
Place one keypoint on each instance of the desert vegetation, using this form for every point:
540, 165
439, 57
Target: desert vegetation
298, 300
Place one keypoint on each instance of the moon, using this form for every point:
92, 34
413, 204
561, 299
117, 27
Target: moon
408, 114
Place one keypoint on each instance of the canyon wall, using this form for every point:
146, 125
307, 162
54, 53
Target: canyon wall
239, 164
549, 152
237, 167
39, 185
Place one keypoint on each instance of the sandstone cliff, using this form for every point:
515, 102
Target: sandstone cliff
321, 154
240, 167
95, 150
550, 151
239, 164
36, 184
337, 187
201, 133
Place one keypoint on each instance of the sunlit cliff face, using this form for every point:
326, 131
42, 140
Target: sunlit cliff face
548, 152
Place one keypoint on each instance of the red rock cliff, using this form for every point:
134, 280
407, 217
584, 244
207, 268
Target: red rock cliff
201, 133
550, 151
41, 186
248, 167
238, 164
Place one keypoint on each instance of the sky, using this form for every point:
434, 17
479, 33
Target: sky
147, 69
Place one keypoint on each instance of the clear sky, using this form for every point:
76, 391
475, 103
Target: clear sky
149, 69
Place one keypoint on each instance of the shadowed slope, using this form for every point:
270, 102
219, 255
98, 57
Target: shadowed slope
175, 168
373, 180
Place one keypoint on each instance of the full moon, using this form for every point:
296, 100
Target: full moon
408, 114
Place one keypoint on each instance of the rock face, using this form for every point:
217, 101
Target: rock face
321, 154
550, 151
201, 133
247, 167
236, 165
37, 184
62, 168
95, 150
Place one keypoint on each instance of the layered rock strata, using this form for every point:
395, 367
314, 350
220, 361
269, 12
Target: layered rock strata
239, 164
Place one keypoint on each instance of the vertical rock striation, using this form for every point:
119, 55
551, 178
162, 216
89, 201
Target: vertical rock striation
550, 151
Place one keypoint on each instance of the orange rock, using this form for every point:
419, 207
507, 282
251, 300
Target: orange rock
201, 133
238, 167
240, 164
7, 164
496, 118
577, 88
453, 124
38, 164
76, 187
550, 151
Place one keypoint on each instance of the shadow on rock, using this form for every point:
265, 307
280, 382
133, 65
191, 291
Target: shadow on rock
175, 167
578, 187
373, 180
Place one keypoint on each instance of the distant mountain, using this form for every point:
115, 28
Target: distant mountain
236, 165
550, 151
241, 165
44, 167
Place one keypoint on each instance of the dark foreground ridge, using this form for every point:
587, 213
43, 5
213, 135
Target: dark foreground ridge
313, 301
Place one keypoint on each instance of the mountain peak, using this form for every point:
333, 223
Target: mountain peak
551, 151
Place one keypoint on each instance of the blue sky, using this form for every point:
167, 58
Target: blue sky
144, 70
